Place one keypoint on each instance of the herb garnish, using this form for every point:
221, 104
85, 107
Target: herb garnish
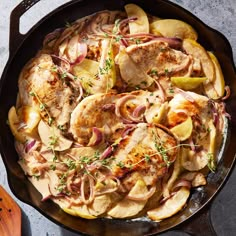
211, 162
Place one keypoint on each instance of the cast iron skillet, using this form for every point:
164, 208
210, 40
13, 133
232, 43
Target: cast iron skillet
24, 47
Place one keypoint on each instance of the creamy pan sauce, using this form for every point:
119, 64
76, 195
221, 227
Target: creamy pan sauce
119, 115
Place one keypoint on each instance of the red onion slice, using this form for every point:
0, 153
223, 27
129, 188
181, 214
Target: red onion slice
108, 151
182, 183
83, 188
163, 200
228, 92
125, 22
109, 107
138, 111
127, 130
83, 52
121, 103
64, 63
96, 138
51, 36
29, 145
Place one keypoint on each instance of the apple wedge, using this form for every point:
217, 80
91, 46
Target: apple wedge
98, 207
14, 123
100, 204
128, 208
219, 82
192, 161
141, 24
173, 28
107, 70
188, 83
88, 65
184, 130
176, 172
156, 113
97, 77
197, 51
26, 115
131, 73
171, 206
51, 137
31, 118
81, 211
86, 73
215, 89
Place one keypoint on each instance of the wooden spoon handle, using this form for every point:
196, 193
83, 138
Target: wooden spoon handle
10, 215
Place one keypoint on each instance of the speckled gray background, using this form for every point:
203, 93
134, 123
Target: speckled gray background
219, 14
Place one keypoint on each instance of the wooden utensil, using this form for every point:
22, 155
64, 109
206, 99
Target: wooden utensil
10, 215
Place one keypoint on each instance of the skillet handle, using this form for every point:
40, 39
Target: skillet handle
15, 36
199, 225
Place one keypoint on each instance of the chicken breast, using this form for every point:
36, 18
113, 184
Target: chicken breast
148, 150
41, 87
94, 111
159, 56
111, 113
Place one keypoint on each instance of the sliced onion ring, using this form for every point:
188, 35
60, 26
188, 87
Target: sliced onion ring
96, 138
119, 104
228, 92
138, 111
29, 145
107, 152
91, 189
182, 183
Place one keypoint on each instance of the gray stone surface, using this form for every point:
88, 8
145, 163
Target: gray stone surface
219, 14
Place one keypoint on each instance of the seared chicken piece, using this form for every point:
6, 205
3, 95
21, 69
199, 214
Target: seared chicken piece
41, 87
159, 56
148, 150
94, 111
110, 113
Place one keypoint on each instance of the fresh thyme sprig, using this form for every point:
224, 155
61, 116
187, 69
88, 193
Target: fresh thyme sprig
211, 162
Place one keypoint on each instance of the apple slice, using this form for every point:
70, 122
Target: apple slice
51, 137
192, 161
187, 83
14, 123
156, 113
81, 211
184, 130
197, 51
141, 25
88, 65
100, 205
86, 72
126, 207
215, 89
173, 28
107, 70
176, 172
30, 117
131, 72
171, 206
